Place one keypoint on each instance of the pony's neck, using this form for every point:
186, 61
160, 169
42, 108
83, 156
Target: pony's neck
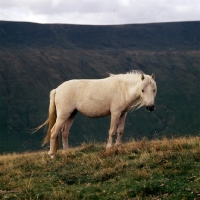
132, 84
134, 89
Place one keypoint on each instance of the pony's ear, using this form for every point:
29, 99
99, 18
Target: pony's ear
153, 76
142, 77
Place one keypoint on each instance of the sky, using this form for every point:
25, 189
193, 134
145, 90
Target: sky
100, 12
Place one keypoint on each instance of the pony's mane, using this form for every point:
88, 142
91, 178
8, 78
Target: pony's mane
136, 72
136, 105
131, 72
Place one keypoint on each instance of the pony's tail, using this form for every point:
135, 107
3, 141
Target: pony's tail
51, 119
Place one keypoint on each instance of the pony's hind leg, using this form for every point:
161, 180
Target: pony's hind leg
120, 130
66, 128
54, 136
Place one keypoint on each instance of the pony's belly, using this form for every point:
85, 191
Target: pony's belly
95, 113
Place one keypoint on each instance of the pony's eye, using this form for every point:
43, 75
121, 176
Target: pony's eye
154, 90
142, 90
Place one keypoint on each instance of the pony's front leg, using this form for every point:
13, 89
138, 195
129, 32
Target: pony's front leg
120, 130
113, 126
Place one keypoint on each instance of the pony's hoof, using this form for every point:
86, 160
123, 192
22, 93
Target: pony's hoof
65, 150
109, 150
118, 147
52, 155
108, 146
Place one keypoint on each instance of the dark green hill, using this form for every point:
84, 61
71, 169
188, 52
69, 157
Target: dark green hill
35, 58
161, 36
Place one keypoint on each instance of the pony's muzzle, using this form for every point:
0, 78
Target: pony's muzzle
150, 108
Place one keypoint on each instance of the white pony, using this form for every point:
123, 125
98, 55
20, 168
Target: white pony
115, 96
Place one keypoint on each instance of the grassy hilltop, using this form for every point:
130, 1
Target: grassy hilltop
156, 169
35, 58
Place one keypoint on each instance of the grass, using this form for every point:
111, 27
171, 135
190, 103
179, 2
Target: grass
156, 169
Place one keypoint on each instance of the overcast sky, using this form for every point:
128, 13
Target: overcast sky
100, 12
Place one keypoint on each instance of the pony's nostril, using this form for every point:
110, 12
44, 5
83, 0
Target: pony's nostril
150, 108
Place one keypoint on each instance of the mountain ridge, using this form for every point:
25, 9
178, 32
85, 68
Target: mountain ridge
85, 36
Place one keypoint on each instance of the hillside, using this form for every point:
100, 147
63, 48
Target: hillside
160, 36
156, 169
35, 58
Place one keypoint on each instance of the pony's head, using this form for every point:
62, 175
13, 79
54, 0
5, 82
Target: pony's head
148, 91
